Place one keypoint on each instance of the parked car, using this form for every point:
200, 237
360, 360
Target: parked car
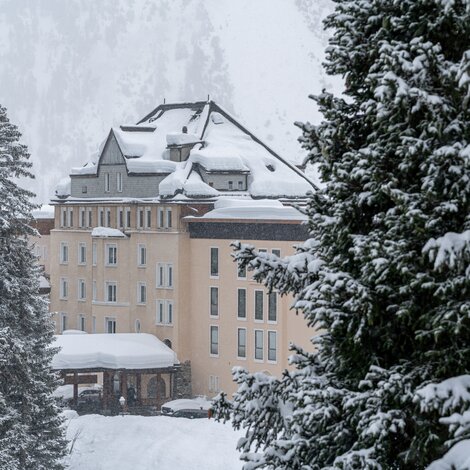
89, 396
187, 408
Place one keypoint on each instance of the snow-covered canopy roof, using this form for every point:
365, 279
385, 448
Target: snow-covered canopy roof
112, 351
219, 144
259, 209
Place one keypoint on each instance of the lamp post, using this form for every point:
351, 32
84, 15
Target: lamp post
122, 402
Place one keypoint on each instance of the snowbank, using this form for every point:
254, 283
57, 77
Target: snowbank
149, 443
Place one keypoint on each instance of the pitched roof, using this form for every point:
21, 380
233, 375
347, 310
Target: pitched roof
219, 144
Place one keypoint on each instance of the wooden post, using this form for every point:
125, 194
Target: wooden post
106, 390
138, 386
124, 386
75, 388
158, 394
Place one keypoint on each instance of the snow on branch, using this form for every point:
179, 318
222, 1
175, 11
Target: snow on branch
289, 274
447, 396
450, 397
452, 250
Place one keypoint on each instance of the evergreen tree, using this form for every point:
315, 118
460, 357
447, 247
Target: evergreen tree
31, 437
385, 278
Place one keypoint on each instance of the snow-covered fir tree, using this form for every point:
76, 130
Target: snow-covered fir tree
385, 278
31, 436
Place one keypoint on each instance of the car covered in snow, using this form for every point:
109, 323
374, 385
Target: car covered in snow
187, 408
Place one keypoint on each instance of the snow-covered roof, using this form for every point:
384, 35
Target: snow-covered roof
219, 144
106, 232
258, 209
46, 211
112, 351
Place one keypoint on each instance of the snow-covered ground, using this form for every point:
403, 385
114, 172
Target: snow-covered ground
149, 443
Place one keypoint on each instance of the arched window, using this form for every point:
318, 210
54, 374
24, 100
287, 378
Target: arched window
156, 387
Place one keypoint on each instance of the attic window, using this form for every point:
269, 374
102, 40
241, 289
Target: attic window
270, 167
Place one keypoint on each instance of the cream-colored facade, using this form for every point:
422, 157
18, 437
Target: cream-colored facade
155, 275
134, 248
255, 335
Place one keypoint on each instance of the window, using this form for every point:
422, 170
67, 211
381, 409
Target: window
240, 185
82, 253
272, 307
64, 288
94, 254
63, 218
119, 182
70, 217
230, 185
111, 292
63, 322
141, 293
214, 301
90, 218
128, 217
137, 326
160, 275
120, 217
214, 332
241, 342
169, 312
214, 262
241, 303
141, 255
259, 305
259, 345
108, 217
160, 217
214, 383
169, 276
148, 217
94, 290
140, 218
93, 324
241, 272
82, 221
262, 250
64, 252
111, 254
272, 346
168, 218
160, 312
106, 183
101, 216
276, 253
81, 322
110, 325
81, 289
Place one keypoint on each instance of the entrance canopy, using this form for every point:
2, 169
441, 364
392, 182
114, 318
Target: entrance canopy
132, 351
